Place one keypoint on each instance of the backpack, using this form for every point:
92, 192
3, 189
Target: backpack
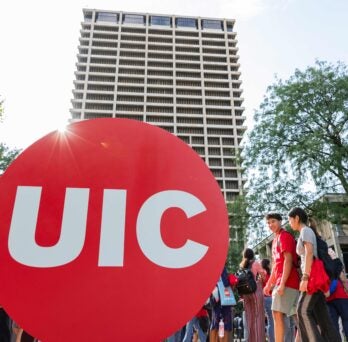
246, 281
332, 268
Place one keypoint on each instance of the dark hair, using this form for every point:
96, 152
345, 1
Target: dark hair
265, 263
300, 213
273, 216
313, 225
248, 257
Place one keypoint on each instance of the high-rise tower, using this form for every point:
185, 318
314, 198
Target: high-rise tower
180, 73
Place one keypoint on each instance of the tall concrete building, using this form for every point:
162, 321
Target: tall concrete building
180, 73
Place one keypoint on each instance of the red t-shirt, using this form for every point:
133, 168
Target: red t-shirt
265, 280
285, 242
339, 293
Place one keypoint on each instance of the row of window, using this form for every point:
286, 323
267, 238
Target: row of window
126, 98
111, 49
155, 20
150, 90
152, 64
220, 132
140, 98
158, 82
150, 81
197, 140
112, 31
96, 76
106, 42
111, 60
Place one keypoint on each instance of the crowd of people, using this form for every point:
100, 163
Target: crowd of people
291, 301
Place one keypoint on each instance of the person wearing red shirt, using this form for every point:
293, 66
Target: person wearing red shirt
284, 279
338, 299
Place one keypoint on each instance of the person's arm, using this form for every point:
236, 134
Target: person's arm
270, 284
286, 272
344, 281
308, 260
267, 290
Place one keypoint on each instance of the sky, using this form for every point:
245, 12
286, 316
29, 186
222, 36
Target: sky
39, 41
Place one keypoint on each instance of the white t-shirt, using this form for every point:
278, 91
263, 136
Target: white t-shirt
306, 235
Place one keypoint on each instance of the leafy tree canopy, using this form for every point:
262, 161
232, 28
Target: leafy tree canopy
300, 137
6, 154
238, 218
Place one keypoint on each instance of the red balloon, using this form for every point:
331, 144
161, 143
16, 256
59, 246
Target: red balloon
114, 230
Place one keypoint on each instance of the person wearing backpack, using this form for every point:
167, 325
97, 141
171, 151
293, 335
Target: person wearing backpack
338, 299
254, 302
284, 279
221, 314
313, 316
333, 267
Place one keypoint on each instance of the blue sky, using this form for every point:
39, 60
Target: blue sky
39, 44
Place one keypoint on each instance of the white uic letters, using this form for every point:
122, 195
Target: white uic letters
22, 244
149, 229
111, 249
24, 249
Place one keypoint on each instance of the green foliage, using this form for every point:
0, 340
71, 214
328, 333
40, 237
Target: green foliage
300, 136
6, 154
1, 110
238, 218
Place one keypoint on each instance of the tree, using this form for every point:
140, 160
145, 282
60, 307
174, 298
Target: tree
300, 137
6, 154
238, 218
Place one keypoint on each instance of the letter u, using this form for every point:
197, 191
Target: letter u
22, 245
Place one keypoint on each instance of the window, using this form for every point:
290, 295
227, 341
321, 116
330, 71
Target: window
163, 21
88, 16
229, 27
198, 140
212, 24
134, 19
108, 17
186, 22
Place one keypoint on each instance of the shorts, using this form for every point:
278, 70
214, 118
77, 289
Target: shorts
286, 303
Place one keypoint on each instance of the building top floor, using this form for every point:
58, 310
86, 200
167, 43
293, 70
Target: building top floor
157, 20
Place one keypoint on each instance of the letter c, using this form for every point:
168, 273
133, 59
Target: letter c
149, 229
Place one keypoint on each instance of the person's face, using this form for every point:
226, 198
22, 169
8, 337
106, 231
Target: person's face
294, 222
274, 225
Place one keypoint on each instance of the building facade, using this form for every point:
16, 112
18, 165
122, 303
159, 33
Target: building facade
176, 72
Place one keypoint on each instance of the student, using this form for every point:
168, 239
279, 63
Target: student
265, 264
219, 313
238, 327
195, 324
313, 316
254, 302
284, 279
338, 300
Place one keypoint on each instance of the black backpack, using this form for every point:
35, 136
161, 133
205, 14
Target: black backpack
332, 268
246, 281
